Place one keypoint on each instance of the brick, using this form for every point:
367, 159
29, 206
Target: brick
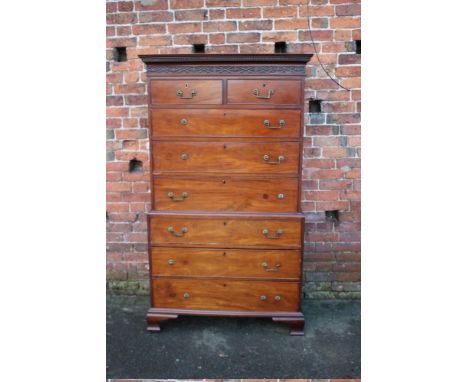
125, 6
243, 13
148, 29
223, 49
121, 18
343, 35
321, 84
255, 3
188, 39
114, 101
219, 26
327, 184
348, 10
184, 28
243, 37
343, 118
217, 38
279, 12
316, 35
151, 17
279, 36
322, 195
349, 59
224, 3
256, 25
338, 107
124, 30
116, 112
131, 133
333, 205
151, 5
288, 24
348, 71
130, 89
120, 41
111, 7
317, 10
318, 163
193, 14
155, 40
345, 22
185, 4
136, 100
216, 14
256, 48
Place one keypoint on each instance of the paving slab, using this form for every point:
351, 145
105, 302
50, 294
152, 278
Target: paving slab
194, 347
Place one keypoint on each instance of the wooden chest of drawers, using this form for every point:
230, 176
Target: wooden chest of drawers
225, 232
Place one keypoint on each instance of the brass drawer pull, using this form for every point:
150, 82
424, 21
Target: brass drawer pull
266, 158
184, 156
256, 93
171, 261
275, 269
277, 298
266, 233
267, 124
183, 121
171, 196
280, 196
186, 295
180, 93
263, 297
182, 233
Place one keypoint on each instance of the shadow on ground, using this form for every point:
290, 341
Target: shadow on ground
218, 347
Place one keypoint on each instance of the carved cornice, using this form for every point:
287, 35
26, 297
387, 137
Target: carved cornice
232, 58
228, 69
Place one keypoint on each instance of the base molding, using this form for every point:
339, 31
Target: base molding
295, 320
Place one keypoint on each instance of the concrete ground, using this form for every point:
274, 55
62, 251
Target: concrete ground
218, 347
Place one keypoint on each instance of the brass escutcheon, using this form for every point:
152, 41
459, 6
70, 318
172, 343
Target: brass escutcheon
186, 295
263, 297
183, 121
171, 261
184, 156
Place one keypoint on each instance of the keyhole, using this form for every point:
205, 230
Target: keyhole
263, 85
224, 253
186, 85
225, 146
225, 223
225, 114
224, 182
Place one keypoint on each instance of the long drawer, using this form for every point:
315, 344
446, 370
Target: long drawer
204, 262
266, 296
234, 157
241, 194
264, 91
225, 231
225, 123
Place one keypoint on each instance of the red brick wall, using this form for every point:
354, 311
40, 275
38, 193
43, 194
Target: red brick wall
331, 176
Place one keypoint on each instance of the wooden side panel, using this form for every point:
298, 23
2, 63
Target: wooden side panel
266, 91
225, 231
226, 123
225, 194
226, 295
204, 262
186, 92
235, 157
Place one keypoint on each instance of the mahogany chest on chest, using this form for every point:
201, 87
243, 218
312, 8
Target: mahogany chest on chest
225, 231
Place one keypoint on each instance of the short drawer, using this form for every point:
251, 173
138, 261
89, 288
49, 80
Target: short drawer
233, 157
241, 194
226, 295
224, 231
225, 123
264, 92
203, 262
186, 92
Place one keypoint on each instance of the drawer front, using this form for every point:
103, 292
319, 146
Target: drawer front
234, 157
267, 296
186, 92
225, 194
264, 92
226, 123
226, 231
225, 262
